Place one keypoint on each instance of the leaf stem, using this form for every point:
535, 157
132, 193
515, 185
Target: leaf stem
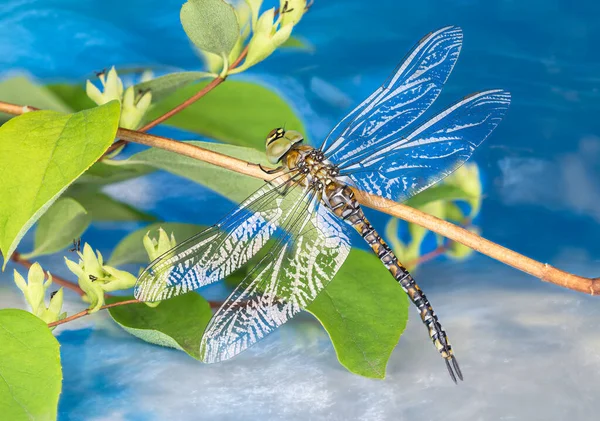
427, 256
543, 271
87, 311
213, 304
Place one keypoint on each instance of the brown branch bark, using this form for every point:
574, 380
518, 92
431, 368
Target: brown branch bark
540, 270
213, 304
87, 311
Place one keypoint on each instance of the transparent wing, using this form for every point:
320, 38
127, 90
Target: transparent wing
307, 255
403, 98
221, 249
432, 151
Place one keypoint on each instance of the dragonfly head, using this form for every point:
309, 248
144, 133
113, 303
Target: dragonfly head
279, 142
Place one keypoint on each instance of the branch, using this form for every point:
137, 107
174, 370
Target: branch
542, 271
87, 311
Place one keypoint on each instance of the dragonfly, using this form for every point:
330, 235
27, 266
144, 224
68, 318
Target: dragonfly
302, 219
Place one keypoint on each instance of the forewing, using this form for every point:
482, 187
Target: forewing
221, 249
306, 257
403, 98
431, 152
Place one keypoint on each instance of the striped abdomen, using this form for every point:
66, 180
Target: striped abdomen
341, 201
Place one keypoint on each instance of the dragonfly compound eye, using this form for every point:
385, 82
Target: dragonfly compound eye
275, 134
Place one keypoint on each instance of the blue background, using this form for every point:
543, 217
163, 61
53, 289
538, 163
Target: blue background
542, 198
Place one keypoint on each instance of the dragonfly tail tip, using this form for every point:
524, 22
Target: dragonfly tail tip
454, 369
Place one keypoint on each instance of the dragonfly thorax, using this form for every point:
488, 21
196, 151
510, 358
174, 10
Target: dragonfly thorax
311, 163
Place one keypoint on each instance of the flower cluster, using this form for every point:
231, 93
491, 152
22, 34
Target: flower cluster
95, 278
267, 32
157, 247
34, 290
133, 107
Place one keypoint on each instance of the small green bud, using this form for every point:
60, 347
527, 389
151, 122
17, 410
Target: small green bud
254, 11
54, 311
117, 279
94, 294
112, 88
291, 11
266, 38
156, 248
95, 278
89, 272
92, 262
132, 111
35, 287
34, 290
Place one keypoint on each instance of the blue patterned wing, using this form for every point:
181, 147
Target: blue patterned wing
403, 98
223, 248
408, 165
307, 254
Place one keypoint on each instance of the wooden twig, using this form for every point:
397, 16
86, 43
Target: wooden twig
87, 311
542, 271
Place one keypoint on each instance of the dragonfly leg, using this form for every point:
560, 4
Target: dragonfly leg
273, 171
284, 188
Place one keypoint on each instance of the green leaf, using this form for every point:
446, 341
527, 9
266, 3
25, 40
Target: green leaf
454, 213
467, 178
438, 192
23, 91
41, 154
298, 44
105, 172
230, 184
364, 311
102, 207
65, 220
73, 95
131, 249
163, 86
237, 112
29, 368
211, 25
176, 323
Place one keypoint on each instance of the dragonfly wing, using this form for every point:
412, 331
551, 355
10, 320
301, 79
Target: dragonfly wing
403, 98
305, 258
432, 151
221, 249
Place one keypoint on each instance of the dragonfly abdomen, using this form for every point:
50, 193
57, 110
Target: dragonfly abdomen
342, 202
